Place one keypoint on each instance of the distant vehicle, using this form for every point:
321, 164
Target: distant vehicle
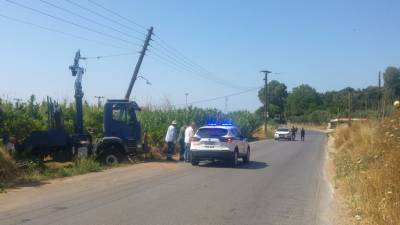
342, 121
283, 133
220, 142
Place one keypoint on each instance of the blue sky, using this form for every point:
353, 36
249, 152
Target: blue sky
327, 44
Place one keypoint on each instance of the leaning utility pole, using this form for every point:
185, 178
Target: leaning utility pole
139, 63
266, 72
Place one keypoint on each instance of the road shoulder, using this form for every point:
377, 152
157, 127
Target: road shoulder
96, 181
338, 212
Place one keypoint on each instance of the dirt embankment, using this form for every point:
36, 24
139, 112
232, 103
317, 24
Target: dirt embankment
364, 170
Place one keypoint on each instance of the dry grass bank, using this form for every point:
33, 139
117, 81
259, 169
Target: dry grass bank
8, 169
367, 166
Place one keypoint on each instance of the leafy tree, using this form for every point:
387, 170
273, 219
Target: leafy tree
277, 94
303, 100
391, 78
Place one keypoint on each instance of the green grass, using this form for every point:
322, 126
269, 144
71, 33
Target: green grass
37, 172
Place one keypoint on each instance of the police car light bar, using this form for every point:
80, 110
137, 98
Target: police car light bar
227, 124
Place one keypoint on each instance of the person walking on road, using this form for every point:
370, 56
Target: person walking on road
293, 130
181, 141
302, 134
189, 133
170, 139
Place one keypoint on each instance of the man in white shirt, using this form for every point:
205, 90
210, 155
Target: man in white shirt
189, 133
170, 138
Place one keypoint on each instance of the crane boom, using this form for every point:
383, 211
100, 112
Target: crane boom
139, 63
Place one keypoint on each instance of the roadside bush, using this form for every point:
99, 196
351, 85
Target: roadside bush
367, 169
8, 169
319, 117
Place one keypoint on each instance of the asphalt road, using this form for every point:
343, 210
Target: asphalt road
284, 184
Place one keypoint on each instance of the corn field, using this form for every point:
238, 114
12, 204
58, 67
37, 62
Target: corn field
19, 119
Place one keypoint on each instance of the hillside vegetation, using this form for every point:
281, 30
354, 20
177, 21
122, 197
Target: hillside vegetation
368, 170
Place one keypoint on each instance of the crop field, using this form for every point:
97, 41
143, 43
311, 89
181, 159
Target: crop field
18, 120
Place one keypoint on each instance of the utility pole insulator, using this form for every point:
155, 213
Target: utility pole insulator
139, 63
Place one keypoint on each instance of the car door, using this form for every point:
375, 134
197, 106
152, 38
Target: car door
241, 142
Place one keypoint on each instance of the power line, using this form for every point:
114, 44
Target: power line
177, 53
110, 56
173, 60
90, 20
184, 67
179, 58
220, 97
72, 23
171, 51
59, 32
103, 16
166, 52
116, 14
190, 69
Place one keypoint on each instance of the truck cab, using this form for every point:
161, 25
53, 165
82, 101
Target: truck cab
121, 131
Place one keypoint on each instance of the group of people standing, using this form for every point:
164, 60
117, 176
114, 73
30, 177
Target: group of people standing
294, 132
183, 137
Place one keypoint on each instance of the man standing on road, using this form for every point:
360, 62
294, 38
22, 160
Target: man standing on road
302, 133
189, 133
181, 141
170, 138
293, 130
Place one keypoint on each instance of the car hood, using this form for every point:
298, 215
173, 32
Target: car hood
282, 132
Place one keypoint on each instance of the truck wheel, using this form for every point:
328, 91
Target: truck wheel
111, 157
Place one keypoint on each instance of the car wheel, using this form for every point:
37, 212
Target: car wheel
194, 162
234, 160
246, 159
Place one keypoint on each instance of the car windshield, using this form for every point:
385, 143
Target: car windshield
283, 130
211, 132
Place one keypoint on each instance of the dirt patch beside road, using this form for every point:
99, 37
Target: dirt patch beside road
338, 213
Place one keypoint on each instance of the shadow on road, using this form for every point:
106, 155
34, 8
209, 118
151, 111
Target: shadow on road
253, 165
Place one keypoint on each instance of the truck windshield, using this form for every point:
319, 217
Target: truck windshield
120, 113
211, 132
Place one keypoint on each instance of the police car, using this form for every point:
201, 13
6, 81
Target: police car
219, 142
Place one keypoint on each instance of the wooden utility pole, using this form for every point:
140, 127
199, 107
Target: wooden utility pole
380, 105
139, 63
266, 72
349, 104
99, 100
226, 104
